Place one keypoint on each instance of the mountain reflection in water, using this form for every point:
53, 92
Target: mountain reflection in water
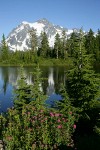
9, 76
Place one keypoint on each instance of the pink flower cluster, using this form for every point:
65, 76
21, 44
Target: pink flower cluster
74, 126
51, 114
55, 114
59, 119
59, 126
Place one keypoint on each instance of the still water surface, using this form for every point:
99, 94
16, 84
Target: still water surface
8, 82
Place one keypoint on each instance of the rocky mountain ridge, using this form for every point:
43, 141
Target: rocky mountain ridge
19, 38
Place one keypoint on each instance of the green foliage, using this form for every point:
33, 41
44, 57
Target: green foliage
89, 42
82, 86
82, 83
97, 47
57, 46
37, 95
44, 48
32, 125
65, 104
38, 129
34, 42
22, 93
4, 50
72, 44
64, 48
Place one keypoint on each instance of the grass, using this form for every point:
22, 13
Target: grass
41, 62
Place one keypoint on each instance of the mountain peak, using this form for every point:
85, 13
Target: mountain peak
44, 21
19, 38
24, 22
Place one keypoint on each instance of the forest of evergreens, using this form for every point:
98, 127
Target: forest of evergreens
64, 48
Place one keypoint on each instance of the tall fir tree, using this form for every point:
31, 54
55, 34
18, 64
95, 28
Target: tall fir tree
97, 46
44, 48
57, 46
37, 95
82, 83
72, 44
33, 42
4, 49
65, 104
22, 93
90, 42
83, 87
63, 40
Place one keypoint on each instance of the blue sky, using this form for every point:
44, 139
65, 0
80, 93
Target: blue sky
67, 13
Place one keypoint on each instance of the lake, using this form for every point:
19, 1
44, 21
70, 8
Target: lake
8, 82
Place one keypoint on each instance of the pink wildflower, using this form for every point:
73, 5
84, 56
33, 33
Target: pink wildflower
74, 126
45, 118
41, 110
70, 112
59, 126
57, 115
59, 120
33, 121
28, 113
51, 114
60, 114
42, 120
34, 117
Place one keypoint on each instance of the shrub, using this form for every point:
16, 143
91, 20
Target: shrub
38, 128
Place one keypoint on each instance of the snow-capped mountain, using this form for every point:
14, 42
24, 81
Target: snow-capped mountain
19, 37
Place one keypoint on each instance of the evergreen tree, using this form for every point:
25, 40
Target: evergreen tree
33, 94
82, 83
97, 46
65, 105
57, 46
4, 49
72, 44
22, 93
44, 49
63, 39
82, 86
37, 94
90, 42
27, 56
16, 55
33, 41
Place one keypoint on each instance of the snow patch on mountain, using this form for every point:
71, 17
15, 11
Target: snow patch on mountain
51, 40
69, 32
39, 27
